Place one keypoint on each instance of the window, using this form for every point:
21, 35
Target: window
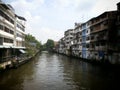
88, 38
20, 27
105, 22
92, 37
97, 44
1, 40
84, 45
102, 44
6, 17
1, 27
87, 45
11, 32
6, 30
71, 38
119, 32
8, 40
87, 31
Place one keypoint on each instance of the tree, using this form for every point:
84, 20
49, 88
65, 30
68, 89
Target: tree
49, 45
32, 44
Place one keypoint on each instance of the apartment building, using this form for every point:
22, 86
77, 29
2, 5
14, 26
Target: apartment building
97, 39
12, 33
68, 35
61, 46
77, 41
84, 27
102, 34
20, 32
114, 45
88, 24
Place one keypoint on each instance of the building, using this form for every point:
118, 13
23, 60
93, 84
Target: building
61, 46
68, 35
77, 41
84, 27
20, 31
12, 34
97, 39
88, 23
101, 35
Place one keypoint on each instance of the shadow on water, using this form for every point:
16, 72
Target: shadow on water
87, 76
13, 79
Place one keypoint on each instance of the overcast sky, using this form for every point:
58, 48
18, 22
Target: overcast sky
48, 19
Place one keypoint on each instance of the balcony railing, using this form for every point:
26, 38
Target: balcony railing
99, 21
99, 29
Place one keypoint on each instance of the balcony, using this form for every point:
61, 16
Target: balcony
98, 29
8, 22
99, 37
18, 29
7, 44
6, 19
104, 48
99, 21
6, 34
91, 49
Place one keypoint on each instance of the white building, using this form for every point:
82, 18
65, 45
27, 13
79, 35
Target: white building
20, 32
12, 34
61, 48
7, 29
68, 39
77, 41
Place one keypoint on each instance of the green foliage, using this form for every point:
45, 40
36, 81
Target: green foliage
49, 45
32, 44
43, 47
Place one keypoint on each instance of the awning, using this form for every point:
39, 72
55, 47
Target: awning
22, 51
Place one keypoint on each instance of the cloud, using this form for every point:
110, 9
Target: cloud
50, 18
48, 33
104, 5
21, 6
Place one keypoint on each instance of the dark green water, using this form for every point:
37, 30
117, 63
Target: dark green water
56, 72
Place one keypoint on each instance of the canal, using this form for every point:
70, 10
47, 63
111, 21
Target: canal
49, 71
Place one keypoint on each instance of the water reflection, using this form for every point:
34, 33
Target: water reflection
50, 71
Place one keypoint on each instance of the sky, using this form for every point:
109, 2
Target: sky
49, 19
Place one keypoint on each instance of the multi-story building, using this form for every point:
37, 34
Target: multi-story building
12, 34
20, 32
97, 39
68, 38
114, 38
77, 41
102, 28
61, 46
84, 27
88, 23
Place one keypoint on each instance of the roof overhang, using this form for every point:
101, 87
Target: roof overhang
2, 46
22, 18
4, 5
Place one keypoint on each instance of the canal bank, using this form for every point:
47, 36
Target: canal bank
24, 60
15, 62
103, 63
